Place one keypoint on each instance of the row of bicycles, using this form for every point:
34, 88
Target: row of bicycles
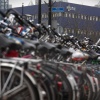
38, 63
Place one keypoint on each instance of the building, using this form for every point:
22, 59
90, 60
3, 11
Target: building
4, 4
30, 3
98, 5
73, 19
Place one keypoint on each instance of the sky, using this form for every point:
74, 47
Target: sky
18, 3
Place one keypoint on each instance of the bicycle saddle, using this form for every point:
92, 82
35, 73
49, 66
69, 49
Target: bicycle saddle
28, 45
8, 42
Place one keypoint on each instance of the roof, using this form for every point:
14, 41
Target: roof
88, 10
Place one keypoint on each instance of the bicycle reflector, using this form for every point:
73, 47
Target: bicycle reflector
59, 85
38, 66
79, 68
12, 53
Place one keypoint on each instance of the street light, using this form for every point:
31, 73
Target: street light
39, 11
22, 9
49, 13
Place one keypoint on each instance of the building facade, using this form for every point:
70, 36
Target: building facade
78, 20
4, 4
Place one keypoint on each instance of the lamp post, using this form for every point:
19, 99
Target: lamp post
22, 9
39, 11
49, 13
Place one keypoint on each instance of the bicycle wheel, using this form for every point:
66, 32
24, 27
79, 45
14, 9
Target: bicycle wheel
87, 89
12, 90
66, 87
45, 83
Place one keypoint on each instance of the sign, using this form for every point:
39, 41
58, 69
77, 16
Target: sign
70, 8
58, 9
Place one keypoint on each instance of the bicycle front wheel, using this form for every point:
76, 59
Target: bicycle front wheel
15, 88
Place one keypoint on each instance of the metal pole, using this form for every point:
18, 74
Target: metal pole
22, 9
39, 11
49, 13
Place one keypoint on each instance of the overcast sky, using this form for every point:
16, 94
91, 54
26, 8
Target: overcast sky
18, 3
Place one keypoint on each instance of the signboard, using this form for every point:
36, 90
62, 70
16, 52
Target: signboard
70, 8
57, 9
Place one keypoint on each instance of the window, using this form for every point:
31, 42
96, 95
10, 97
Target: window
29, 17
43, 15
69, 14
68, 30
60, 14
73, 16
56, 14
90, 17
76, 16
96, 18
66, 14
72, 30
65, 30
53, 15
47, 15
96, 33
85, 17
81, 16
91, 33
82, 32
79, 31
35, 16
63, 14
